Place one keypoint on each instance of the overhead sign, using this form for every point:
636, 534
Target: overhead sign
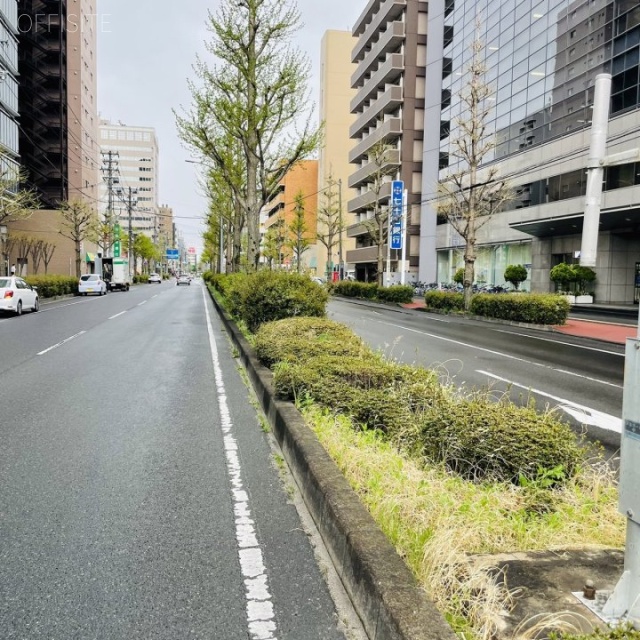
397, 204
173, 254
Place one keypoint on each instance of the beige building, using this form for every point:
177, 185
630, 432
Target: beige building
165, 228
336, 94
130, 161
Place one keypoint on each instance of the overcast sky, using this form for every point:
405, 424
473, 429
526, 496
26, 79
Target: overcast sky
146, 49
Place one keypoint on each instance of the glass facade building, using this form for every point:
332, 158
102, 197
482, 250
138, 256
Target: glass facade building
541, 61
8, 85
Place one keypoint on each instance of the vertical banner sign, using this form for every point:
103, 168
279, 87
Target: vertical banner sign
116, 238
397, 203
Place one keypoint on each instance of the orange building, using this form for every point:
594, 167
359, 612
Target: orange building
302, 178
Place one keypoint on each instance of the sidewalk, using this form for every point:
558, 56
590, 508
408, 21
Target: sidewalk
605, 331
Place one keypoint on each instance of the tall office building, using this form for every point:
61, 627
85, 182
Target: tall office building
541, 60
130, 161
389, 82
8, 85
336, 94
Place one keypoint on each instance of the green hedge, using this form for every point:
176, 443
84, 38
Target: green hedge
371, 291
522, 307
474, 436
534, 308
298, 339
50, 286
265, 296
444, 301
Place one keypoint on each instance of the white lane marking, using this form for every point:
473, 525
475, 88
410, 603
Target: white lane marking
568, 344
580, 412
117, 314
260, 612
60, 306
141, 303
152, 297
55, 346
505, 355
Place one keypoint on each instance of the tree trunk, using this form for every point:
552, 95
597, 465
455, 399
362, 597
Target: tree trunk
78, 260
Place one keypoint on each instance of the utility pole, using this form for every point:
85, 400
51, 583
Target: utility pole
340, 262
130, 207
110, 172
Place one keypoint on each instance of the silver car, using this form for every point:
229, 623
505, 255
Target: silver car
16, 295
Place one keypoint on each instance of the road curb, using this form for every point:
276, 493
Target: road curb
381, 587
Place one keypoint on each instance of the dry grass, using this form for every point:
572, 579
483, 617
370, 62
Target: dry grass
436, 520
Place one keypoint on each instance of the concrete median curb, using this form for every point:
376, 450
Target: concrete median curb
382, 589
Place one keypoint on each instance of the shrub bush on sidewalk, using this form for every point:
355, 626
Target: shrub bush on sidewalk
50, 286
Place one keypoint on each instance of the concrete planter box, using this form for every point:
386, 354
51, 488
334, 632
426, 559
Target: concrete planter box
584, 299
571, 299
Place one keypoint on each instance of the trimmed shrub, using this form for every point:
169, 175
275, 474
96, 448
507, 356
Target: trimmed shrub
401, 293
298, 339
273, 295
50, 286
532, 308
515, 274
444, 301
458, 276
485, 440
355, 289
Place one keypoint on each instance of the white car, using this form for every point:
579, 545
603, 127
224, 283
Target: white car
155, 277
183, 278
16, 295
92, 283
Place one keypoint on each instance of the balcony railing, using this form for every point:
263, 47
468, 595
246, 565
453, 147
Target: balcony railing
360, 177
389, 11
366, 201
389, 130
390, 70
388, 102
390, 40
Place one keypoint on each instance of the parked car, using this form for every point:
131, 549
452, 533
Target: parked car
155, 277
16, 295
183, 278
92, 283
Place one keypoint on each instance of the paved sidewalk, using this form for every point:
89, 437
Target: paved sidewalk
605, 331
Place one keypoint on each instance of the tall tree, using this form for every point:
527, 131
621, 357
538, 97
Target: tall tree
36, 254
144, 248
256, 94
299, 240
329, 221
274, 241
78, 222
471, 193
16, 203
48, 250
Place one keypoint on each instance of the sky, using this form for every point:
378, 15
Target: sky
146, 51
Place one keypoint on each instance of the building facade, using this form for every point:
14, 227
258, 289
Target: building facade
389, 83
302, 179
334, 169
130, 161
542, 61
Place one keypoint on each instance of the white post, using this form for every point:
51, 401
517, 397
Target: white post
595, 170
388, 269
405, 237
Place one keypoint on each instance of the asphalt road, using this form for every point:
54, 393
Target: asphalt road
582, 378
140, 497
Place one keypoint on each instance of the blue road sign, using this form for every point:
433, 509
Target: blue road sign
173, 254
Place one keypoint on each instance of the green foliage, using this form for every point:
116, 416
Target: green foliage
563, 275
458, 276
270, 295
52, 285
583, 277
622, 632
499, 441
298, 339
444, 301
515, 274
532, 308
371, 291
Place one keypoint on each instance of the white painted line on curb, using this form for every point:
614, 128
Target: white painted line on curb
504, 355
55, 346
584, 415
117, 314
260, 613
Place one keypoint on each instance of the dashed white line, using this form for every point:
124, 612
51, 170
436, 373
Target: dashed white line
55, 346
260, 612
141, 303
568, 344
503, 355
584, 415
117, 315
